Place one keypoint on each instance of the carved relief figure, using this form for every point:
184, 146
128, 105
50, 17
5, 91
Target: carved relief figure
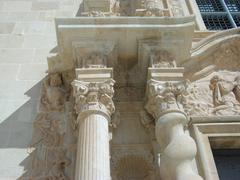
47, 130
236, 89
223, 95
126, 8
115, 7
53, 97
153, 8
58, 164
162, 59
48, 158
222, 92
176, 8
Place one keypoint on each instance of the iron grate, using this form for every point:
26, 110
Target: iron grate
233, 5
210, 5
237, 20
217, 22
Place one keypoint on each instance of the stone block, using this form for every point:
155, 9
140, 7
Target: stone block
16, 6
6, 28
14, 55
4, 16
39, 41
9, 72
23, 16
11, 41
29, 28
20, 134
41, 55
32, 71
12, 159
50, 28
8, 89
48, 5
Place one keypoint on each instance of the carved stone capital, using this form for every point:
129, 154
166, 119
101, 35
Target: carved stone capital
164, 97
94, 97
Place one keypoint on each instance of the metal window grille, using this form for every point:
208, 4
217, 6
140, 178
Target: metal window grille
220, 14
233, 5
217, 22
237, 20
210, 5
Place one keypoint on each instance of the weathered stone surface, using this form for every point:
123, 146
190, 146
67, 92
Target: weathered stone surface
80, 128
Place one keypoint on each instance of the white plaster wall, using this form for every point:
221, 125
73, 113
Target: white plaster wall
27, 35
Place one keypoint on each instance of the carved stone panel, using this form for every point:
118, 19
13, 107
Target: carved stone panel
216, 94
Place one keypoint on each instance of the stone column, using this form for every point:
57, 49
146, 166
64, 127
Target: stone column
178, 149
94, 105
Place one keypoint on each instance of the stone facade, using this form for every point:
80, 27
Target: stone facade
133, 90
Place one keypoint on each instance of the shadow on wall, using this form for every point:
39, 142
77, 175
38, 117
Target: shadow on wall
16, 129
16, 132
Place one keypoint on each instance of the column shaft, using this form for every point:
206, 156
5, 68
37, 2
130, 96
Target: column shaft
178, 148
93, 162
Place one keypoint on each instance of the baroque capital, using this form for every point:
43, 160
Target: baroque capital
164, 97
94, 97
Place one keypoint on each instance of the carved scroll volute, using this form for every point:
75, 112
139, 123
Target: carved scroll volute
94, 97
164, 97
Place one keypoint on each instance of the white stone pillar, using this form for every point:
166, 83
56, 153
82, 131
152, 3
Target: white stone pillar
178, 149
94, 105
93, 149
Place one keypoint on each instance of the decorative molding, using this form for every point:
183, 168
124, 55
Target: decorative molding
213, 135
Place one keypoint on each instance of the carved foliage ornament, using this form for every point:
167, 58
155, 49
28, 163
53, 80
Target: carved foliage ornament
94, 96
164, 97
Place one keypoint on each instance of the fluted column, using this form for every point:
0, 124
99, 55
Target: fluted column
178, 149
94, 106
93, 149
